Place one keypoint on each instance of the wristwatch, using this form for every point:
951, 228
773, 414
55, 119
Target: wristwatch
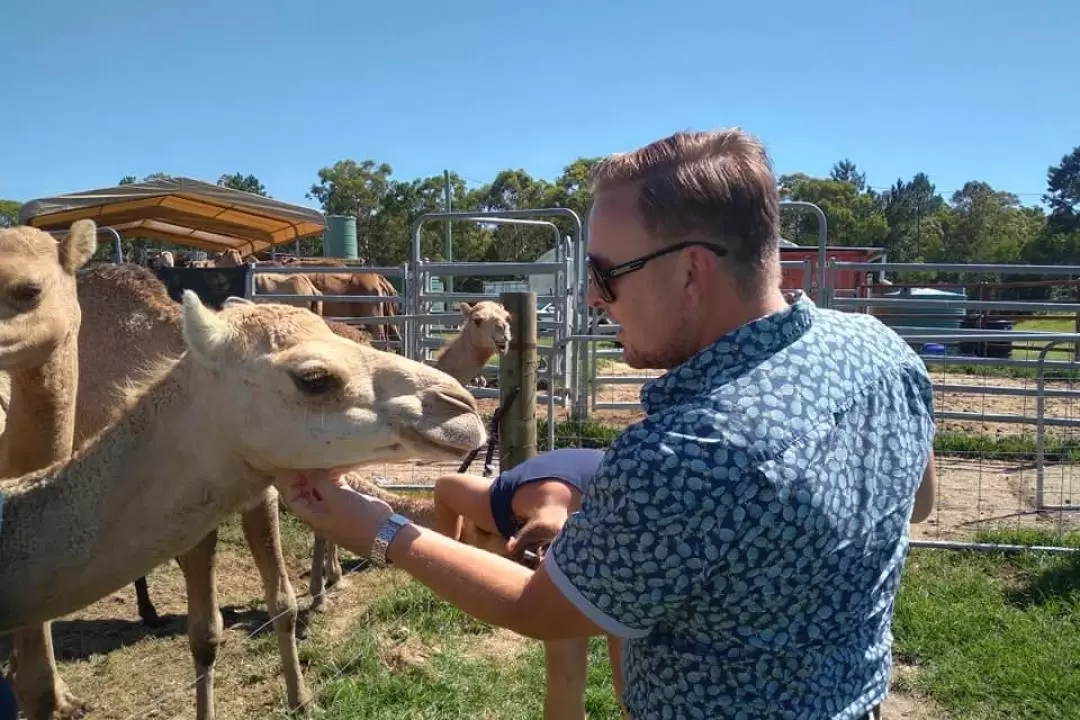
386, 533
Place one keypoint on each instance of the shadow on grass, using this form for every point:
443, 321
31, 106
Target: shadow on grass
81, 639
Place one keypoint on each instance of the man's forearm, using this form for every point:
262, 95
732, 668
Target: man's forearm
488, 587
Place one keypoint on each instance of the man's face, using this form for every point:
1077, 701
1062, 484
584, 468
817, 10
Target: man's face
649, 303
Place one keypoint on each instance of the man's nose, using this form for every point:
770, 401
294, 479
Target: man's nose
592, 297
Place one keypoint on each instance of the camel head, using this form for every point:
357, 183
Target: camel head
228, 258
487, 324
293, 395
39, 307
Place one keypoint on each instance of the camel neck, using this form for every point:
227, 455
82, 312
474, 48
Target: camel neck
462, 358
41, 416
144, 489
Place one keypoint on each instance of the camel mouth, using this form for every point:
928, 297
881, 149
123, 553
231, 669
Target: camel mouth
446, 446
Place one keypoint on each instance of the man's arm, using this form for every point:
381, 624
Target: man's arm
491, 588
924, 496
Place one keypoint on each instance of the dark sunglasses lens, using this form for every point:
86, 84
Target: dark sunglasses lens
600, 282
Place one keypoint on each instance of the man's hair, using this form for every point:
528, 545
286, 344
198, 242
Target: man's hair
713, 186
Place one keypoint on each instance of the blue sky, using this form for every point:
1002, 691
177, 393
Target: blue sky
959, 89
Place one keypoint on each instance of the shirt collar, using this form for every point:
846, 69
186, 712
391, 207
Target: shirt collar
729, 355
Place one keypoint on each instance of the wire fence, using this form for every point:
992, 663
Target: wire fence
1006, 403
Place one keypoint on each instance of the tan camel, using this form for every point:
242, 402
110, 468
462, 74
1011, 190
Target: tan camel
129, 319
39, 329
262, 389
351, 283
288, 284
486, 331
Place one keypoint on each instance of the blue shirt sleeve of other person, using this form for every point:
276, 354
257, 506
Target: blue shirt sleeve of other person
747, 537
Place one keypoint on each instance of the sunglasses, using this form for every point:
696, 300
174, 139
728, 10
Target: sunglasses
602, 278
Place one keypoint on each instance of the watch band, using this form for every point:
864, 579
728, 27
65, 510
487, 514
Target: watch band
386, 534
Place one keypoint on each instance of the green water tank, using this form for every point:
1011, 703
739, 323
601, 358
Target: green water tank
339, 240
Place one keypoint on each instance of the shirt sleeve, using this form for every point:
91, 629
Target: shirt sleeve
634, 552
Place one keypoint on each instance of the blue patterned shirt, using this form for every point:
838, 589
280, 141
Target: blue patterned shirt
747, 537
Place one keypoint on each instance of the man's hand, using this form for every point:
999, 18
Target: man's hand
536, 535
325, 501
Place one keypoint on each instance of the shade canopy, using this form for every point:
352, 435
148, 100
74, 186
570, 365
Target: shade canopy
183, 212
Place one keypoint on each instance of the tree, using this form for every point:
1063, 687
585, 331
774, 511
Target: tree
846, 171
1063, 193
356, 189
913, 211
9, 213
854, 218
247, 183
986, 225
517, 190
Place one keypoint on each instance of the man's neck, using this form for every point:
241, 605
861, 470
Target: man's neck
740, 312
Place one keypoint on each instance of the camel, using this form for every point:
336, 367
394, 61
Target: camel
345, 283
39, 327
288, 284
486, 331
260, 389
129, 319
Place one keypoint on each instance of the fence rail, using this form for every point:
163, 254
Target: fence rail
1017, 385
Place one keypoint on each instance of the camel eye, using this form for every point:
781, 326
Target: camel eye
315, 381
25, 294
476, 322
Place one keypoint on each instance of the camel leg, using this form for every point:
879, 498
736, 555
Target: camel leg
566, 674
41, 692
147, 612
315, 581
333, 566
260, 525
326, 572
205, 628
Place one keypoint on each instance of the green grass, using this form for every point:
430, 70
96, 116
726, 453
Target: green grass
993, 636
411, 655
1030, 350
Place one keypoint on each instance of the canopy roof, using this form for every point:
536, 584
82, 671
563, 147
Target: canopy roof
181, 211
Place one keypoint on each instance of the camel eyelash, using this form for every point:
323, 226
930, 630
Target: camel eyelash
315, 382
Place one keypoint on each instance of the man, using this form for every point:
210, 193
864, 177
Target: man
747, 537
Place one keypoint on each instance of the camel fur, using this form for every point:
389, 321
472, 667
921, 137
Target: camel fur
261, 389
39, 327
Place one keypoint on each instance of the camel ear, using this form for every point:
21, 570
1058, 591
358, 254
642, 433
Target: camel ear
78, 246
233, 300
205, 334
465, 308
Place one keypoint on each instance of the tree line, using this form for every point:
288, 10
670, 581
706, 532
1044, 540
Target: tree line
911, 219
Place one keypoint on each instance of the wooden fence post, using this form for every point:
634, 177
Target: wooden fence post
517, 369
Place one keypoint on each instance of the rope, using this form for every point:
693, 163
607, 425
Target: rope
493, 436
